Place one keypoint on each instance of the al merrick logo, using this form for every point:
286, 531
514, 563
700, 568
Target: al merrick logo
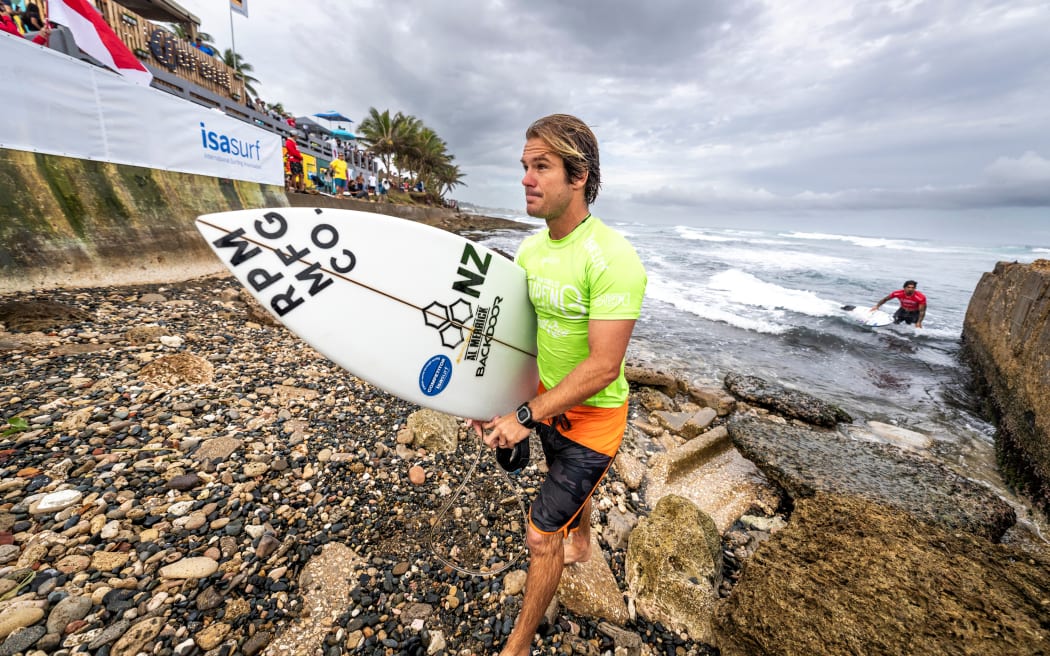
211, 140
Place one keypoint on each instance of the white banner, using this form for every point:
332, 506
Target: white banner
62, 106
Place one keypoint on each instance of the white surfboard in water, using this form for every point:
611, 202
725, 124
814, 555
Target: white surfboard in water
868, 317
424, 314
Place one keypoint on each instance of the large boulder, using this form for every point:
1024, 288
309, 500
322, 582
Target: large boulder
849, 576
785, 401
27, 316
674, 567
638, 373
710, 397
1006, 339
178, 369
804, 461
434, 431
590, 589
708, 471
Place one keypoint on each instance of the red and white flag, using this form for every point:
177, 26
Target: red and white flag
98, 39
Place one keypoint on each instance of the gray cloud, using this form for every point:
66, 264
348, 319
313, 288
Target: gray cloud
745, 106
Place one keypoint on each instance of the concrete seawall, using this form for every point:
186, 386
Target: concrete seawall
1006, 339
68, 222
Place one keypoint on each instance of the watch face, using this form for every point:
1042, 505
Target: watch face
524, 415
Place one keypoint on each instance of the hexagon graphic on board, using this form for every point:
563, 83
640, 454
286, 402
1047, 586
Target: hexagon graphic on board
435, 315
451, 335
460, 312
448, 320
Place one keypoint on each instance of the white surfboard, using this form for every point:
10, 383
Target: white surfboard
422, 313
868, 317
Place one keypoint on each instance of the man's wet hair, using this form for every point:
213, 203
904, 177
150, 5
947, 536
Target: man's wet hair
571, 139
910, 282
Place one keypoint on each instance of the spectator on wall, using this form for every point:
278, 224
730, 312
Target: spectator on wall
199, 44
338, 170
359, 182
32, 21
11, 23
295, 165
7, 21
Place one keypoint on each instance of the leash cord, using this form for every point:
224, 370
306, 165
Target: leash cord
444, 510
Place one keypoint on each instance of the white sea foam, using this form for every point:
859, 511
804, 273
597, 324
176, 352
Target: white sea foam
700, 301
743, 288
697, 235
781, 260
870, 242
1041, 250
749, 236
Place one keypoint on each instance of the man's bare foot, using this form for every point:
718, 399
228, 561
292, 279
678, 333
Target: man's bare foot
574, 553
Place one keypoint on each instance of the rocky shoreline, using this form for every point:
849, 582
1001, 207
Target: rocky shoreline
182, 476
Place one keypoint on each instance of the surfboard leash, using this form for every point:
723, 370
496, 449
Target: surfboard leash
448, 504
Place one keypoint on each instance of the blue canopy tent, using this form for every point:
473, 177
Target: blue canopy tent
343, 134
332, 115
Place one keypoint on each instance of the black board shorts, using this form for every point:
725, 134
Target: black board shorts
574, 472
908, 317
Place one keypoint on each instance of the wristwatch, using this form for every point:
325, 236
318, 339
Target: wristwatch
524, 415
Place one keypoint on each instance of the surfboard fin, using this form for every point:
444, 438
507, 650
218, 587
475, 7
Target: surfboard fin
514, 459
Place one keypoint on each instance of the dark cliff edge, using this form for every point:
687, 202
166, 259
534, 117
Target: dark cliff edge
67, 222
1006, 340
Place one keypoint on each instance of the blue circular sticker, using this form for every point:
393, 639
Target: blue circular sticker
435, 375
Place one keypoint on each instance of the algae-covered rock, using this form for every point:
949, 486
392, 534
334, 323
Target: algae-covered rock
28, 316
674, 566
804, 461
434, 431
1006, 340
848, 576
788, 402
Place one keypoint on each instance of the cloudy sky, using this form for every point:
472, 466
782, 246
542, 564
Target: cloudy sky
721, 113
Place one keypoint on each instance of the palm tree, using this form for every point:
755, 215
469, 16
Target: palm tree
402, 142
447, 176
405, 143
237, 63
381, 134
429, 152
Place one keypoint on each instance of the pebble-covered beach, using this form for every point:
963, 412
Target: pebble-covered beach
191, 479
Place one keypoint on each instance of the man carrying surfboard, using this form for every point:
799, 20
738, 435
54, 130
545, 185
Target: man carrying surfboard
586, 285
913, 304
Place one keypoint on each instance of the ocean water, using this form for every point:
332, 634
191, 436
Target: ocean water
769, 303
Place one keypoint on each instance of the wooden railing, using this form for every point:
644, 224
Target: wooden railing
160, 48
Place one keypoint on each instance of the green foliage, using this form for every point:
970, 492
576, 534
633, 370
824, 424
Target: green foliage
237, 63
15, 425
407, 144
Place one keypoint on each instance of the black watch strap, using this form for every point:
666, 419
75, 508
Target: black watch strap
524, 416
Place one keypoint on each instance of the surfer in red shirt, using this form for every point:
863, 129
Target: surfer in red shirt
913, 304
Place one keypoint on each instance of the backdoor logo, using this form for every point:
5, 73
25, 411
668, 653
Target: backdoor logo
448, 320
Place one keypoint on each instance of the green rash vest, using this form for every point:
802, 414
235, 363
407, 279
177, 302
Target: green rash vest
593, 273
